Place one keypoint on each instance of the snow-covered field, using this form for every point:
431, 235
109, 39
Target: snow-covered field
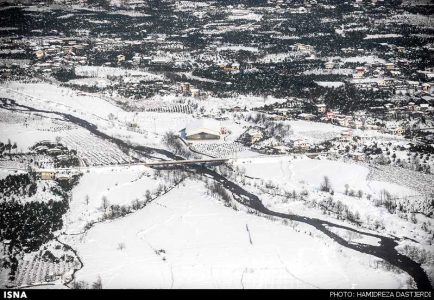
304, 174
111, 119
305, 171
314, 132
185, 233
26, 129
317, 132
118, 185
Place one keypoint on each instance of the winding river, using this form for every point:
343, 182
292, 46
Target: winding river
384, 250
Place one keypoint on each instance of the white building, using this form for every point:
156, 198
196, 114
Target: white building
202, 130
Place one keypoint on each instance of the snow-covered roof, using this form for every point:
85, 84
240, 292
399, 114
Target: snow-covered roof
203, 125
46, 170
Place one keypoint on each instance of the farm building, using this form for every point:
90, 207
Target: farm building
47, 174
202, 130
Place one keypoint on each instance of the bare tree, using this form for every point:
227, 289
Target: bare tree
104, 203
79, 285
325, 185
121, 246
97, 285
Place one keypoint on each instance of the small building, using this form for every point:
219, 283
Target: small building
255, 136
54, 151
330, 115
40, 54
185, 87
329, 65
398, 130
121, 58
360, 72
428, 87
195, 92
63, 177
301, 145
321, 108
47, 174
423, 106
343, 120
411, 106
389, 66
395, 72
235, 67
358, 156
346, 136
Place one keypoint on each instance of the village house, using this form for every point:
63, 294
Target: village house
301, 145
321, 108
395, 72
428, 87
120, 58
40, 54
346, 136
255, 136
389, 66
303, 48
343, 120
63, 177
358, 156
427, 74
282, 111
398, 130
195, 92
277, 117
359, 123
185, 87
233, 68
47, 174
411, 106
329, 65
360, 72
330, 115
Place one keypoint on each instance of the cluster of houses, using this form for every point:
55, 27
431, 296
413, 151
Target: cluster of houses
61, 154
188, 90
414, 107
53, 53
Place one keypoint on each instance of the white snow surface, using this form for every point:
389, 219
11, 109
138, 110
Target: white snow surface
200, 236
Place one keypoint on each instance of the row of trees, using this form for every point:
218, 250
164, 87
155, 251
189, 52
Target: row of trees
218, 191
113, 211
81, 284
7, 147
